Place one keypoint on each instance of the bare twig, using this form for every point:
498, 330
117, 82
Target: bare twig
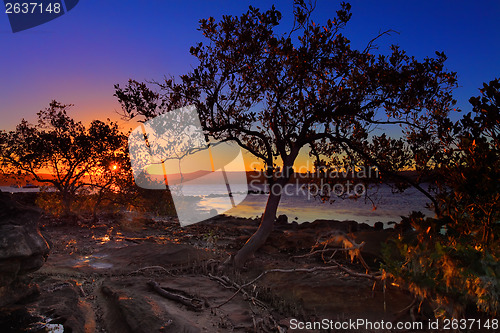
318, 251
370, 46
334, 249
355, 274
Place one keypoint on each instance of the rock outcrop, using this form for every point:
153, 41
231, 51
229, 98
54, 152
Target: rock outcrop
22, 248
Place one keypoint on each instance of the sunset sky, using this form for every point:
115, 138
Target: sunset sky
77, 58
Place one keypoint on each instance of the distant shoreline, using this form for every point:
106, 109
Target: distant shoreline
257, 177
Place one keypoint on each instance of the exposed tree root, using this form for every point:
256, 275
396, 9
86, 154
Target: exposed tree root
153, 268
190, 301
230, 284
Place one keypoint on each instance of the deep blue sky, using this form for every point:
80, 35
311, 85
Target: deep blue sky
78, 57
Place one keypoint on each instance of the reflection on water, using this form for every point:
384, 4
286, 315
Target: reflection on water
42, 323
54, 328
300, 207
18, 189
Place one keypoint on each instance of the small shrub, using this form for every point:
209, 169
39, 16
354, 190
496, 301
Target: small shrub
450, 270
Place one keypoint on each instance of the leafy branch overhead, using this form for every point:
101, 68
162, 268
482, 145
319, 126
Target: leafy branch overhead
275, 93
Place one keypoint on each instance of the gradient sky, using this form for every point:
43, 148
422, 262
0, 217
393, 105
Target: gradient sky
78, 57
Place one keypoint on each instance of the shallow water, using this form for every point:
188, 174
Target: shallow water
301, 207
9, 189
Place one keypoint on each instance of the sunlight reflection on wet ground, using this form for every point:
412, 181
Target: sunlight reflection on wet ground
96, 261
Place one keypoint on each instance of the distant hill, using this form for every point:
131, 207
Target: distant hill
7, 180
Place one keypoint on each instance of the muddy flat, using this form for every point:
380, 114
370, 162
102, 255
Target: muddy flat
151, 275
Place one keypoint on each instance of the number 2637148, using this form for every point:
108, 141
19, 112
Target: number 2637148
32, 8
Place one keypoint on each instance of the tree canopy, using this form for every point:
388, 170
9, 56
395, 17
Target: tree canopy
276, 93
63, 153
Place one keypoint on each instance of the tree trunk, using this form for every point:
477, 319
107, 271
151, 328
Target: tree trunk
67, 201
96, 206
266, 225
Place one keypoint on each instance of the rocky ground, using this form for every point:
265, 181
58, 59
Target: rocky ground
129, 273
